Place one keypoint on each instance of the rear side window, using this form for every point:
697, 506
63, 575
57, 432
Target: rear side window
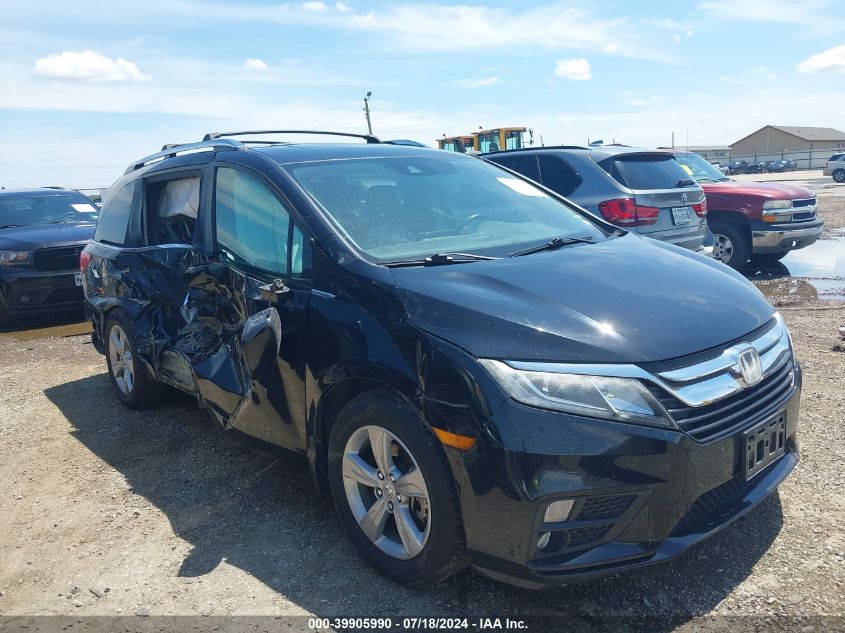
559, 176
252, 224
114, 218
524, 164
172, 208
647, 172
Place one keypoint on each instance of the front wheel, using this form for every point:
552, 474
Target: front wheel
730, 245
839, 175
394, 492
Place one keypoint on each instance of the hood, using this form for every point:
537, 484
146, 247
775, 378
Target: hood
764, 190
35, 236
624, 300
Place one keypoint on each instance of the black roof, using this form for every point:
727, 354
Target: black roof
597, 153
304, 152
43, 191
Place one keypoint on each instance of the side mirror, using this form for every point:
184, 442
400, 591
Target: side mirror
273, 291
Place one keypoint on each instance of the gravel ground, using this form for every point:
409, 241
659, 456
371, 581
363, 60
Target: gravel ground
105, 511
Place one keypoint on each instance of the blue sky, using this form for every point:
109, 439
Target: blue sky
85, 86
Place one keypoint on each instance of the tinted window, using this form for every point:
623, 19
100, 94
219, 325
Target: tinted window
837, 157
558, 175
171, 210
252, 224
524, 164
115, 216
646, 172
46, 208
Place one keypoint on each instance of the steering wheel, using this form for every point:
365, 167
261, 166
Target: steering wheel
475, 217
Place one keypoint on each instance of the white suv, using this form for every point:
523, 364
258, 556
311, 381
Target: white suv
836, 167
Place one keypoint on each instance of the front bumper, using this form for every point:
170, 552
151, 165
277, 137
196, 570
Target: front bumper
777, 238
25, 291
651, 493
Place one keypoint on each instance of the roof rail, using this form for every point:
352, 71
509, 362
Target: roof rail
216, 135
174, 149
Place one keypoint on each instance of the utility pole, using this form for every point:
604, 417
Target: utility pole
367, 112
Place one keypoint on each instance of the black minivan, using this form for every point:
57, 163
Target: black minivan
477, 371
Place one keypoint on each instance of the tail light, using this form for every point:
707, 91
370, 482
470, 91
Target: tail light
626, 212
84, 260
700, 208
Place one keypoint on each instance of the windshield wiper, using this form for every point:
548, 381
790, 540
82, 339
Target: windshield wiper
440, 259
553, 245
685, 183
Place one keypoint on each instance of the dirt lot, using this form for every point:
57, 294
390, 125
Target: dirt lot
105, 511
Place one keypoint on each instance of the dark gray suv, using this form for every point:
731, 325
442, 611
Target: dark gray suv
642, 191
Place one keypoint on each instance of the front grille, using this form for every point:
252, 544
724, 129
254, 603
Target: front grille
583, 535
708, 505
805, 202
52, 259
723, 417
605, 507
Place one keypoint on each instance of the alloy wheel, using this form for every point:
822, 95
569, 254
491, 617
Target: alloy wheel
386, 491
120, 357
723, 248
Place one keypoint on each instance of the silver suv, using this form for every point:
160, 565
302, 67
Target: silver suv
836, 167
643, 191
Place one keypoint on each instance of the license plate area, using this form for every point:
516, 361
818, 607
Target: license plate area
680, 215
764, 444
77, 279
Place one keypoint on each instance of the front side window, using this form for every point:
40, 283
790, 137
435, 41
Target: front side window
558, 175
252, 223
114, 220
405, 207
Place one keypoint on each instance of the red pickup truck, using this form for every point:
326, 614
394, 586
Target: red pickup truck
753, 220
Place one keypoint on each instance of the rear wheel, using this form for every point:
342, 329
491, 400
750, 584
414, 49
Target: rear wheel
730, 245
839, 175
133, 386
393, 489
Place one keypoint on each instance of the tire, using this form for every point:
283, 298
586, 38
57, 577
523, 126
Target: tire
731, 245
132, 384
768, 258
433, 546
3, 314
839, 175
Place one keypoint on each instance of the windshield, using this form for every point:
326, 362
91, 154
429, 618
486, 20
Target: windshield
29, 209
699, 168
407, 207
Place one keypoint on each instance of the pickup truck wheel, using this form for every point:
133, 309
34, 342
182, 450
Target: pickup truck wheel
730, 245
839, 175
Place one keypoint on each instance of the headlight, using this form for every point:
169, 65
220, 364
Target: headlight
14, 257
621, 399
777, 204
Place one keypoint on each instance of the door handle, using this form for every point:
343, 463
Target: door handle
272, 291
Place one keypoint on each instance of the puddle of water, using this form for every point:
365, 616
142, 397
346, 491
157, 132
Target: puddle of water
46, 326
807, 274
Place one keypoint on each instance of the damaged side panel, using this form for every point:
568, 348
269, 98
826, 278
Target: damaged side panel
202, 327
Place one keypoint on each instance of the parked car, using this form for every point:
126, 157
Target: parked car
722, 168
478, 371
760, 220
42, 233
737, 167
640, 190
782, 165
835, 167
756, 168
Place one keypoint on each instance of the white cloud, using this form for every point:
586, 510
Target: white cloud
833, 59
314, 6
475, 82
88, 66
342, 7
733, 81
611, 47
815, 16
256, 64
676, 38
577, 69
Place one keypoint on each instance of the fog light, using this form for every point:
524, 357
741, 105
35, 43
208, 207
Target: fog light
558, 511
543, 541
